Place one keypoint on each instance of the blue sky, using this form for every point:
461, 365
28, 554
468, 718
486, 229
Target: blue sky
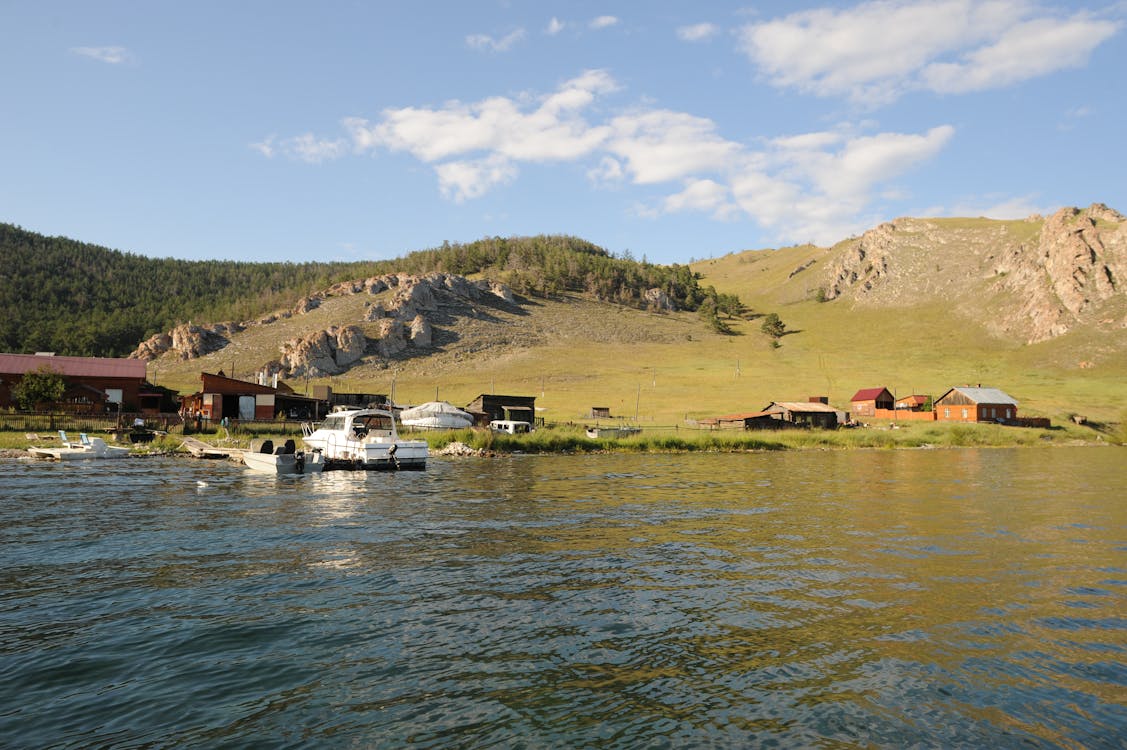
672, 130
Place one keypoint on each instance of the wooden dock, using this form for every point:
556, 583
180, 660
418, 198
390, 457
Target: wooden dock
200, 449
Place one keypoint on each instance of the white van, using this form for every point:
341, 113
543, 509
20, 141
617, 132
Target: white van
510, 426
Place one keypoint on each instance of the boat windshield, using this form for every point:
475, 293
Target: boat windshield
333, 423
373, 424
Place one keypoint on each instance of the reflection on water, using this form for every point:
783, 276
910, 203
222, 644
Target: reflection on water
962, 598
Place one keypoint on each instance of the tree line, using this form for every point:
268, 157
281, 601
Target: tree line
74, 298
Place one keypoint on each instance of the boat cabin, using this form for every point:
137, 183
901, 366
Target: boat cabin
363, 426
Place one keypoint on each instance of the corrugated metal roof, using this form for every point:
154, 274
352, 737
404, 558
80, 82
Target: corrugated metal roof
801, 406
75, 367
985, 395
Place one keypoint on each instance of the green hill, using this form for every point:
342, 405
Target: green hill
1034, 307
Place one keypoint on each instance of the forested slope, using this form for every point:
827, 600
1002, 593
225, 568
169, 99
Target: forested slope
74, 298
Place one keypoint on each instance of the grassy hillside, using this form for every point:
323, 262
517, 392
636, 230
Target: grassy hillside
925, 330
923, 347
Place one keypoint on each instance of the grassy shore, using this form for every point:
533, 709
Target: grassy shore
932, 435
573, 439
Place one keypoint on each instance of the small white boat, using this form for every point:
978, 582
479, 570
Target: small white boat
85, 448
283, 460
364, 439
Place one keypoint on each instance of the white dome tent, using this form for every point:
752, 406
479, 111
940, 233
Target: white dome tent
435, 415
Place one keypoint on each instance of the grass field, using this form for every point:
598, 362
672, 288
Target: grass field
659, 370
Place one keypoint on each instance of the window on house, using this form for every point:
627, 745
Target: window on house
964, 413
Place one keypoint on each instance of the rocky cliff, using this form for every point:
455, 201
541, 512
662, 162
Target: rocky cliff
405, 315
1033, 280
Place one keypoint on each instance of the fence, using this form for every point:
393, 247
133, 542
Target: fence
49, 422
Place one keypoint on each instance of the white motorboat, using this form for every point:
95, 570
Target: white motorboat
364, 439
85, 448
283, 460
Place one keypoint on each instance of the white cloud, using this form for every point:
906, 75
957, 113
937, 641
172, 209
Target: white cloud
555, 26
111, 55
265, 147
462, 180
876, 51
608, 172
812, 186
660, 145
307, 148
554, 131
604, 22
706, 196
1026, 51
698, 32
487, 43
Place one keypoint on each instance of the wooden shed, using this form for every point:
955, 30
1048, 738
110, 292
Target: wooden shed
915, 402
221, 396
975, 404
804, 413
490, 406
866, 401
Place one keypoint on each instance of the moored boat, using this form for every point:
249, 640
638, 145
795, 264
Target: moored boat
364, 439
86, 448
283, 460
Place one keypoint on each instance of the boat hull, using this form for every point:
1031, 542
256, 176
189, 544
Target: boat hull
365, 439
97, 449
288, 464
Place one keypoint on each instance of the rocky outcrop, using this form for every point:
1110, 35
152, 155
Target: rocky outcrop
322, 353
863, 264
187, 341
306, 304
1018, 285
1078, 261
392, 337
656, 299
421, 332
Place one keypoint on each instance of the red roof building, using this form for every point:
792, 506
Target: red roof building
97, 383
867, 400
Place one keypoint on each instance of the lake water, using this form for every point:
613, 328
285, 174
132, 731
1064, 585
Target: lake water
946, 598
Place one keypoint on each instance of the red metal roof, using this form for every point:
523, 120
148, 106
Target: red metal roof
869, 394
74, 367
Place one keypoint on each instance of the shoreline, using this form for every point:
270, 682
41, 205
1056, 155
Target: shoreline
456, 449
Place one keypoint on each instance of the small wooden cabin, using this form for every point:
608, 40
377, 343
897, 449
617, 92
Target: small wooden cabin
977, 404
866, 401
915, 402
804, 413
489, 407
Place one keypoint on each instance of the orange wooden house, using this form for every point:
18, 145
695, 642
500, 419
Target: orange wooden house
977, 404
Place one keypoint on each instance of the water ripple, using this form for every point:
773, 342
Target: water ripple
870, 599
